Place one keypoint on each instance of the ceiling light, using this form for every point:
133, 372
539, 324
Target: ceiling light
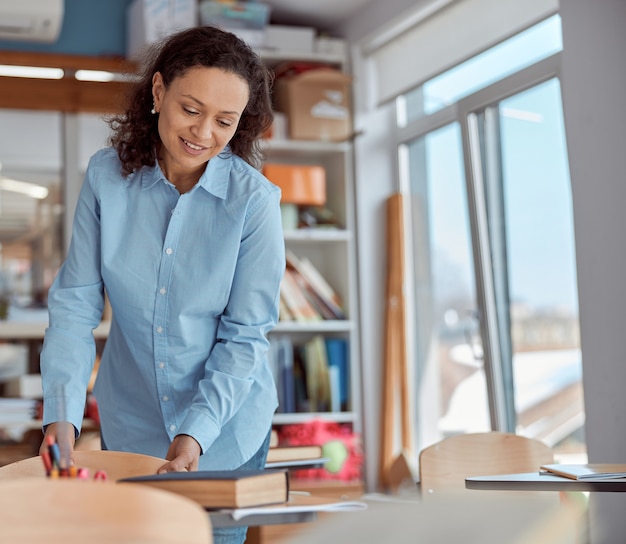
23, 187
94, 75
102, 76
36, 72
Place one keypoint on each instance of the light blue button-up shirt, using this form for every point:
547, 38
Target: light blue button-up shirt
193, 282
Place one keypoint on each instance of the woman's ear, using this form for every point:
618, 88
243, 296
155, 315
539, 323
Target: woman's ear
158, 88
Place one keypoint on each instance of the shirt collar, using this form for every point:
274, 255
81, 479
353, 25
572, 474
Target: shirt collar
214, 179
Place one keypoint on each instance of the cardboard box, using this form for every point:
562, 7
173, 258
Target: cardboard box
300, 184
289, 38
149, 21
317, 103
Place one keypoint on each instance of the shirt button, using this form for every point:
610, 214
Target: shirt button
172, 427
159, 330
163, 290
168, 251
161, 364
165, 398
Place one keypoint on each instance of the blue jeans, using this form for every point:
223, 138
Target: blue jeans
237, 535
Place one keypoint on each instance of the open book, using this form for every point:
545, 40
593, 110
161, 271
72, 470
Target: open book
222, 489
591, 471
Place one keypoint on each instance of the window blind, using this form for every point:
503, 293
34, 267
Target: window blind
442, 38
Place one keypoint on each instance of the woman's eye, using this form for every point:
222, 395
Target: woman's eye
225, 123
190, 112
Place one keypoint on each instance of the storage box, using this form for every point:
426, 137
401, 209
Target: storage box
317, 103
234, 14
289, 38
149, 21
247, 20
300, 184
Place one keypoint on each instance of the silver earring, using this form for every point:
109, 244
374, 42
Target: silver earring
153, 110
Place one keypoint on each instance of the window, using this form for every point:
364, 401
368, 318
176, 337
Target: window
496, 311
39, 184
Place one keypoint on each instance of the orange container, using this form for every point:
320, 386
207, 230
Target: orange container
300, 184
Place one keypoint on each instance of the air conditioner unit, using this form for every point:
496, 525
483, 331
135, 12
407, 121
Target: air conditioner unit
31, 20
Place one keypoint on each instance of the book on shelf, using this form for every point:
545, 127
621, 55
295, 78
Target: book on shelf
317, 375
295, 457
589, 471
297, 304
337, 353
284, 313
282, 349
222, 489
294, 453
313, 284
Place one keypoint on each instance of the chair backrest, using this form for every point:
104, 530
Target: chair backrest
444, 466
68, 511
116, 464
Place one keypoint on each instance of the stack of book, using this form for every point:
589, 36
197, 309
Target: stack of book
305, 295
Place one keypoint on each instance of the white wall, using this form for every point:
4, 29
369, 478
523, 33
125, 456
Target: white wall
594, 85
375, 172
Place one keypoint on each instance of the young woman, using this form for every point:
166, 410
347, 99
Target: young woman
183, 233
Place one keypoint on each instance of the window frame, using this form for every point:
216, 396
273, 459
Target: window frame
464, 112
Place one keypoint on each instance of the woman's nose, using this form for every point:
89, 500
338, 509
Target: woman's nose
204, 129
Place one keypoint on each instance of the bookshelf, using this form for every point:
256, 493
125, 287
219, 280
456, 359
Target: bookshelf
332, 251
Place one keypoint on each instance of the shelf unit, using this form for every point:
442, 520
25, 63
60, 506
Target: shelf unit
332, 251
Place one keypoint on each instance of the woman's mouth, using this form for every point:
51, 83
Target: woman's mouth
194, 147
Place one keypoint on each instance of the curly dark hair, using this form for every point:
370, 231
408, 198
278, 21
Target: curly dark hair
135, 132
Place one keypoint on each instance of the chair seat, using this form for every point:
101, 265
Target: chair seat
68, 511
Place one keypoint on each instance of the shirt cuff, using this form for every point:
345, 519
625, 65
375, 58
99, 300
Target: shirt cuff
201, 427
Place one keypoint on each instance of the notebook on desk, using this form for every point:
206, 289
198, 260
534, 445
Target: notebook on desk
586, 471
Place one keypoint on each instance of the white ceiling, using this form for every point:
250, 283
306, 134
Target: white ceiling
321, 14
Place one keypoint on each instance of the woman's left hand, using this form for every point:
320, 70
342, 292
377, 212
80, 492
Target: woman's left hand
183, 455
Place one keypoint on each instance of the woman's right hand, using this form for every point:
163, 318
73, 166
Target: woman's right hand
61, 432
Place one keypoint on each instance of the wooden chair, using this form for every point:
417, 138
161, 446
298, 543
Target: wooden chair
444, 466
72, 511
116, 464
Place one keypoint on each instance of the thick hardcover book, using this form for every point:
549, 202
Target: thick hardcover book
592, 471
223, 489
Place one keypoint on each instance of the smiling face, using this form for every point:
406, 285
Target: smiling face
198, 115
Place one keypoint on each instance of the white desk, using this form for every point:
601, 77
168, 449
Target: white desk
533, 481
